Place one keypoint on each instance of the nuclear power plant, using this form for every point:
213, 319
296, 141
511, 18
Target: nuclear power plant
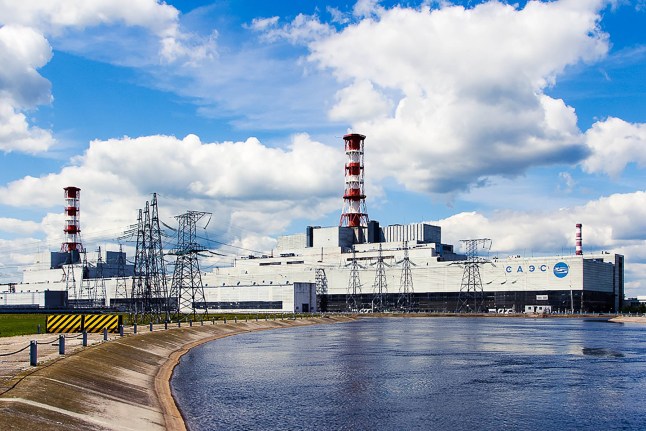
358, 266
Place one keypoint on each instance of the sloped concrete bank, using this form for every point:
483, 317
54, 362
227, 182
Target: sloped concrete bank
118, 385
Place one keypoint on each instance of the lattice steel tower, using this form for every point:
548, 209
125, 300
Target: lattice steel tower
88, 293
160, 304
121, 289
186, 287
70, 281
380, 286
353, 297
140, 296
405, 298
321, 289
149, 292
471, 297
99, 281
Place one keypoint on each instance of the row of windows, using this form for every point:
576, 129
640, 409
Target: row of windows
242, 305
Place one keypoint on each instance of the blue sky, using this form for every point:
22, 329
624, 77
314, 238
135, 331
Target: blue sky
507, 120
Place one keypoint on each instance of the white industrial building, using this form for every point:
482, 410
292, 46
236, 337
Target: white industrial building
355, 266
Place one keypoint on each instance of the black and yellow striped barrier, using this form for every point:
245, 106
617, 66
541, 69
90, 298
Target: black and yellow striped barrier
64, 323
97, 322
83, 322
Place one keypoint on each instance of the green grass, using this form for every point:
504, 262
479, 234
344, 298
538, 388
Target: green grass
128, 319
21, 324
25, 324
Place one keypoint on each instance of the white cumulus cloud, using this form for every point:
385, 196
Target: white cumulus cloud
468, 86
22, 52
615, 223
243, 183
614, 144
25, 34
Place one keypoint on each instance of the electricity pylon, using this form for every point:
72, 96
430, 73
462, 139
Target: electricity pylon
321, 289
405, 298
352, 299
471, 296
186, 287
380, 286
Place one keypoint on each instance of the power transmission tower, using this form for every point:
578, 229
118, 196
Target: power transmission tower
380, 286
88, 294
149, 291
121, 289
70, 282
471, 296
157, 264
99, 281
354, 285
140, 282
321, 289
405, 298
186, 287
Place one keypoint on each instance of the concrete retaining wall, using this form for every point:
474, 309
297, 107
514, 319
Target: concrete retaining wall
117, 385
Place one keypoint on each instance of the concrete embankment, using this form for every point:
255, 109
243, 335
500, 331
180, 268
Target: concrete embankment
117, 385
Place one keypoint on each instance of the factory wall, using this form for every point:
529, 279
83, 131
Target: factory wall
333, 237
291, 242
267, 298
421, 232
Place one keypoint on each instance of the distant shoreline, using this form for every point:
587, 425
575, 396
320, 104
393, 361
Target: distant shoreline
629, 319
510, 315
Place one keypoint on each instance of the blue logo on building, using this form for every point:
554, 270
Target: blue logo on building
561, 269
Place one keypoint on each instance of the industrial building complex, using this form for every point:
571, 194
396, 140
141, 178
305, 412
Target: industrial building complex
357, 266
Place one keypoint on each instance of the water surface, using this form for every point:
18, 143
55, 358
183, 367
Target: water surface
420, 373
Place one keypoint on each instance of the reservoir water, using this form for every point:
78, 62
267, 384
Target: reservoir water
420, 373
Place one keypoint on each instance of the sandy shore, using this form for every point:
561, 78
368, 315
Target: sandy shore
122, 384
629, 319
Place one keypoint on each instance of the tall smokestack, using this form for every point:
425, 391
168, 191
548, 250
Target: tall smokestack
354, 198
72, 224
579, 240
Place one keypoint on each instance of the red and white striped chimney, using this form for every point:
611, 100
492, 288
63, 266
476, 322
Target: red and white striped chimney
579, 240
354, 212
72, 224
